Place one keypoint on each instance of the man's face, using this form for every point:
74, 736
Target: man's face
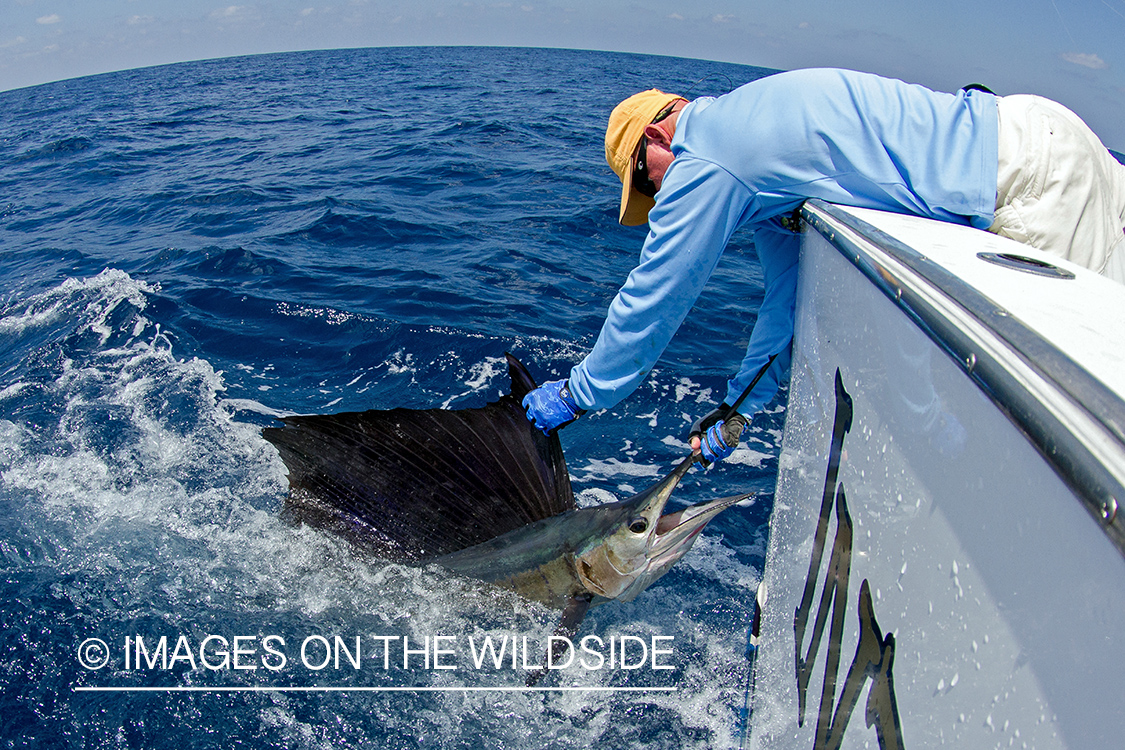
656, 151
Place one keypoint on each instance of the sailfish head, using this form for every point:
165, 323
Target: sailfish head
643, 543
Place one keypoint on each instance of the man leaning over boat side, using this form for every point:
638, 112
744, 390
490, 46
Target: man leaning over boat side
1020, 166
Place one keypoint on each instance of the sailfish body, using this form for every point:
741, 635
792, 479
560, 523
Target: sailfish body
485, 494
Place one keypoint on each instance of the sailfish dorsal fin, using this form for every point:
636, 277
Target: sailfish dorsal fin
414, 484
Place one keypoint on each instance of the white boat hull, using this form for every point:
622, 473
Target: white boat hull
950, 584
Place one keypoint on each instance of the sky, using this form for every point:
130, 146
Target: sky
1072, 51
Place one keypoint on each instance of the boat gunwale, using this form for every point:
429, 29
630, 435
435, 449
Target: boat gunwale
1073, 420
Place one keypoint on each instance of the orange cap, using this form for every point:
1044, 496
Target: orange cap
626, 125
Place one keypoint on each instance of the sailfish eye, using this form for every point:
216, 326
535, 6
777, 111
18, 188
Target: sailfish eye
638, 525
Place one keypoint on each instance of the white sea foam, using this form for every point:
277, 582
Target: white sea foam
594, 496
612, 468
713, 559
110, 288
329, 315
481, 376
747, 457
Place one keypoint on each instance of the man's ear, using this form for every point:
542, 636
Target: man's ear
658, 136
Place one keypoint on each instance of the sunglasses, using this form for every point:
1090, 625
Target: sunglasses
641, 182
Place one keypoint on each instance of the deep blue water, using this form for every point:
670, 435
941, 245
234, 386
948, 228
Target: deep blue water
188, 251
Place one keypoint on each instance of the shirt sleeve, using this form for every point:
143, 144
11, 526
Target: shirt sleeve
698, 208
778, 251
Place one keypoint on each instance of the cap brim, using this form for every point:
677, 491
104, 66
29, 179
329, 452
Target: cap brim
634, 205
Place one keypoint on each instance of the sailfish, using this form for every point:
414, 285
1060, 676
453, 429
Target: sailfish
485, 494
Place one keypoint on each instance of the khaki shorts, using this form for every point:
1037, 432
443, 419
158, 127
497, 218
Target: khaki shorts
1058, 188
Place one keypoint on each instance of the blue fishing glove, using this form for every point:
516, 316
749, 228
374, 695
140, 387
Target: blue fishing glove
551, 406
719, 440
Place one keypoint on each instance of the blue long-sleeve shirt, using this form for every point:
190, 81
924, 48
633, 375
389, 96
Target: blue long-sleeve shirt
751, 157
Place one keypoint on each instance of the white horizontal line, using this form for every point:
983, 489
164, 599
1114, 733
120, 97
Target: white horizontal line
298, 689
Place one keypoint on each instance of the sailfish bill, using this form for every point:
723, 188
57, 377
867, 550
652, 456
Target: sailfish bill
485, 494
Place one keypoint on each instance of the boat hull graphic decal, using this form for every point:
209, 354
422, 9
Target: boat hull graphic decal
874, 657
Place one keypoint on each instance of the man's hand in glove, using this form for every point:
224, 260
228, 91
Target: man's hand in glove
717, 433
551, 406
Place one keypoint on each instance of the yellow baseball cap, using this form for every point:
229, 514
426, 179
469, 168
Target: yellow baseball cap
627, 123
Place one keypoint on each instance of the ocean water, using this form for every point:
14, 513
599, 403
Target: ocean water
189, 251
